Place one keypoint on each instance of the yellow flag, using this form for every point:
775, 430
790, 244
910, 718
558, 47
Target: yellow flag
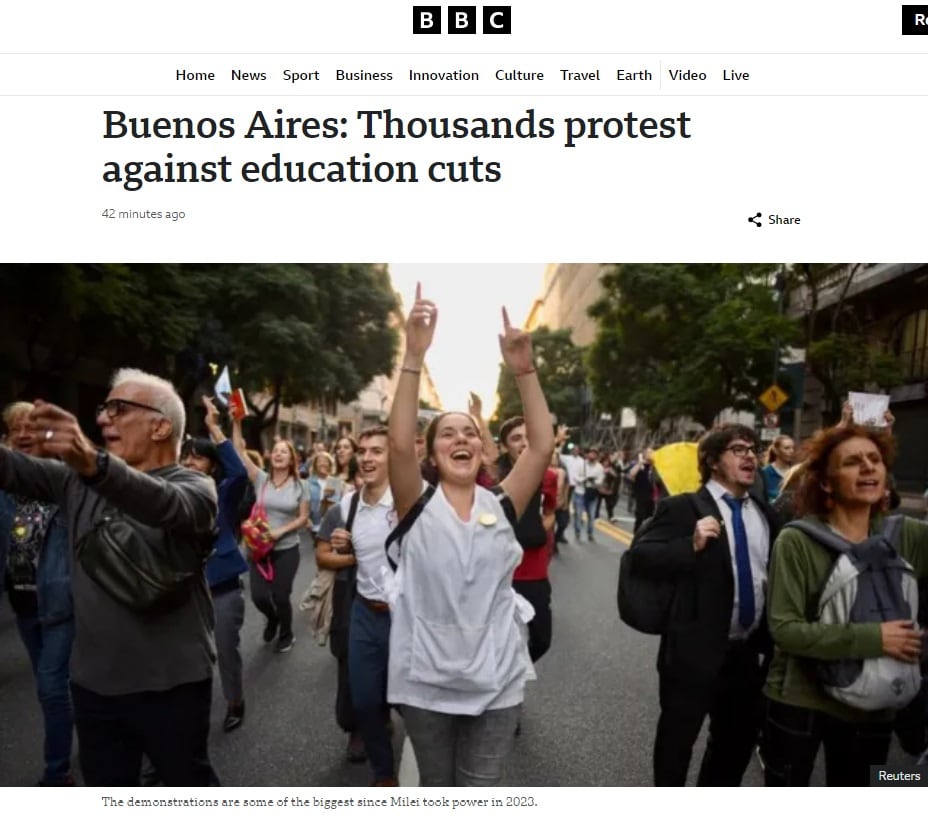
678, 467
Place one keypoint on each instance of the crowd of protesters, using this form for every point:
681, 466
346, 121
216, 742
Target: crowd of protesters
124, 560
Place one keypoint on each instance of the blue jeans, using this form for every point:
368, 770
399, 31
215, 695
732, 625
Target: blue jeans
368, 652
49, 650
583, 505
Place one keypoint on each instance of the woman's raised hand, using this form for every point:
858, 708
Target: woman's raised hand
475, 406
212, 412
516, 347
420, 326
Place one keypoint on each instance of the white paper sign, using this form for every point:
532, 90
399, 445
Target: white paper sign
869, 408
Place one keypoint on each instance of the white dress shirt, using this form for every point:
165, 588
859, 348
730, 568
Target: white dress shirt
758, 531
372, 526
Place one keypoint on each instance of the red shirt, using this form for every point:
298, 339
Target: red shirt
534, 565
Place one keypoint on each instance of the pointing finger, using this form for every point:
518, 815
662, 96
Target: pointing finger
506, 325
418, 290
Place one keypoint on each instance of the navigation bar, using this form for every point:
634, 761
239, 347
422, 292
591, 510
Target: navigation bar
470, 74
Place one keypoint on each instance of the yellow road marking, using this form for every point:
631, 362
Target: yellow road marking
611, 530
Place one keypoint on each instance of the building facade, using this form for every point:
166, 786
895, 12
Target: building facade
889, 304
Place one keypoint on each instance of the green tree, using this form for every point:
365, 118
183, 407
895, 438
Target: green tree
562, 375
839, 353
54, 316
296, 332
686, 339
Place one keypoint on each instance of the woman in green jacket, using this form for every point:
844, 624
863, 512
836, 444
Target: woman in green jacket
843, 487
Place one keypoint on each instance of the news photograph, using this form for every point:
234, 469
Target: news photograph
326, 527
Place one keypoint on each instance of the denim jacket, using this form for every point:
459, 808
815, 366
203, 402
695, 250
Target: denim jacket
53, 574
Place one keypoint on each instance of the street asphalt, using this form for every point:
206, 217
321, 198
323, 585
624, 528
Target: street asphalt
588, 720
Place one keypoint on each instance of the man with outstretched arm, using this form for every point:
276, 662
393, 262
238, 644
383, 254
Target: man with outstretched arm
141, 676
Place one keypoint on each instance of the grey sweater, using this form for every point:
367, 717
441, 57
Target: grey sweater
117, 651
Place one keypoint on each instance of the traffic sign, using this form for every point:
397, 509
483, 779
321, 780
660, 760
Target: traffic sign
771, 420
773, 398
769, 434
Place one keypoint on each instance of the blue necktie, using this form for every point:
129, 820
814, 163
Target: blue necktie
742, 563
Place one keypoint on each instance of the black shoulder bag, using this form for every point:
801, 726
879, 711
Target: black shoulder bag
140, 567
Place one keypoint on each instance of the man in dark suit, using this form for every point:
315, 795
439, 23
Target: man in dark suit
715, 546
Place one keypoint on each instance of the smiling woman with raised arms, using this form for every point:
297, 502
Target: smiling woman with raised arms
458, 656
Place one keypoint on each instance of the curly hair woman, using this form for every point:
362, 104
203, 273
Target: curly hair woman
843, 489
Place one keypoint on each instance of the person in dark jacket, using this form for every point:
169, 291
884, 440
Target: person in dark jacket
715, 546
217, 458
35, 571
645, 487
141, 680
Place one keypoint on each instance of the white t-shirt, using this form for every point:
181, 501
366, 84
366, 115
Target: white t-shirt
282, 506
457, 640
574, 467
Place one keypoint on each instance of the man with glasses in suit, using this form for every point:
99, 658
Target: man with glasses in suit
714, 546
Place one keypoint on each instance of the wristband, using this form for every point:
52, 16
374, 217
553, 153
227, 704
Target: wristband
102, 466
524, 373
412, 370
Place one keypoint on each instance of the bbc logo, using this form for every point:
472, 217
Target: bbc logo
462, 19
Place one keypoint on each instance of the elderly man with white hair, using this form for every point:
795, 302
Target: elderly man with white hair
143, 654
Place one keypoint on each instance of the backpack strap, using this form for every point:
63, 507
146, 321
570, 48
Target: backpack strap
506, 504
352, 510
397, 534
892, 529
825, 537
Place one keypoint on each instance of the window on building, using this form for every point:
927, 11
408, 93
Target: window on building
913, 345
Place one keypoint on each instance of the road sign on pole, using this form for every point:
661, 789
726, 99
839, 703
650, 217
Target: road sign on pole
773, 398
771, 420
769, 434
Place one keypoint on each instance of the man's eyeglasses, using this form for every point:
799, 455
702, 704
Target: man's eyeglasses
743, 450
116, 407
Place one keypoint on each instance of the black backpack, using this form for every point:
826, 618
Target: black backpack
645, 601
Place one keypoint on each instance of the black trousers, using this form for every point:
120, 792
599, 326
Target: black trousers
734, 707
171, 727
793, 735
538, 593
561, 521
273, 598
